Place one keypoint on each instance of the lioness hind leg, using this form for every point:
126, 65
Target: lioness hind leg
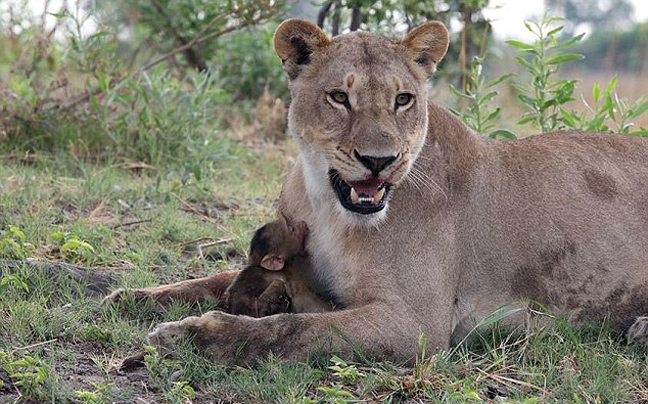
638, 332
190, 291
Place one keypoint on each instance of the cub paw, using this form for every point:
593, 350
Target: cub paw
114, 298
638, 332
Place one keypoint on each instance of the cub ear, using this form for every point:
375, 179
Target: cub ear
294, 41
273, 262
428, 43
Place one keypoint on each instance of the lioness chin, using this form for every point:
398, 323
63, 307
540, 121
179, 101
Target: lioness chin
418, 225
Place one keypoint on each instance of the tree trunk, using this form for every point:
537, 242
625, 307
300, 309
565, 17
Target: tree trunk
356, 19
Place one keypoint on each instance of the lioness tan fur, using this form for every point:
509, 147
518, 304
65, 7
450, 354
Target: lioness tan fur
442, 226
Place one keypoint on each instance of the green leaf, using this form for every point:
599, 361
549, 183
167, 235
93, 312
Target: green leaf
563, 57
571, 42
493, 114
596, 91
555, 31
524, 63
612, 85
501, 313
568, 118
503, 134
519, 44
643, 132
528, 100
58, 236
497, 80
93, 102
640, 110
526, 120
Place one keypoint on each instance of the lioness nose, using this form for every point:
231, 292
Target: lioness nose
375, 164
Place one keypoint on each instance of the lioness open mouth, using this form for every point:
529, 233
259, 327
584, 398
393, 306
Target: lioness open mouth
364, 197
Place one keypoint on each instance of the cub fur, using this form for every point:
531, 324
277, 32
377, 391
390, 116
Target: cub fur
273, 282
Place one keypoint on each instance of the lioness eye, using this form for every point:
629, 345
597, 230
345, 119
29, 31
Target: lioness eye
403, 99
340, 97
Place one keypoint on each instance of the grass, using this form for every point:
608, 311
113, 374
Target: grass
144, 226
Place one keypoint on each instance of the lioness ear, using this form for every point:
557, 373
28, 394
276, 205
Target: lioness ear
428, 43
273, 262
294, 41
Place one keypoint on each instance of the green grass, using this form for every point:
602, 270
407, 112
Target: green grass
144, 227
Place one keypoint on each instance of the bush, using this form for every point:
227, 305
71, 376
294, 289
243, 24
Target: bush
247, 65
88, 103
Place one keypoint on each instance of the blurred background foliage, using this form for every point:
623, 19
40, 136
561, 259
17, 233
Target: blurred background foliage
159, 81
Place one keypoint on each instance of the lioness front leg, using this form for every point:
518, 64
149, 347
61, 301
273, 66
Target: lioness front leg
375, 329
190, 291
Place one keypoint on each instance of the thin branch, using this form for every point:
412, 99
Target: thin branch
200, 38
117, 226
322, 13
211, 244
337, 16
24, 348
194, 59
356, 19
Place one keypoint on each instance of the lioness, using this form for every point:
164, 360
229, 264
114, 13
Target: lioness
418, 225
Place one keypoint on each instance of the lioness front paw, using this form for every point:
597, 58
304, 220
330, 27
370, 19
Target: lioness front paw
166, 335
638, 332
225, 338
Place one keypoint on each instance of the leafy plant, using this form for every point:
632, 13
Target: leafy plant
13, 244
28, 374
336, 395
607, 109
101, 395
542, 58
73, 247
479, 95
101, 336
181, 393
462, 392
247, 65
348, 373
157, 119
12, 281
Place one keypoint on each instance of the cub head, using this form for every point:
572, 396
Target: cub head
277, 242
359, 112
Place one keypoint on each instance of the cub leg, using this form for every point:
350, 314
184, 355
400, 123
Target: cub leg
190, 291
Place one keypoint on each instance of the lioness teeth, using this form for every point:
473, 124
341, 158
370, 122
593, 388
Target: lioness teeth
355, 198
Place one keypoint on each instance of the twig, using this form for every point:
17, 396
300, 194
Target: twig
98, 209
213, 243
34, 345
117, 226
194, 59
199, 213
507, 381
196, 41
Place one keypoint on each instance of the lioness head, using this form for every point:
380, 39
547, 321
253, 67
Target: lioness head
359, 110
